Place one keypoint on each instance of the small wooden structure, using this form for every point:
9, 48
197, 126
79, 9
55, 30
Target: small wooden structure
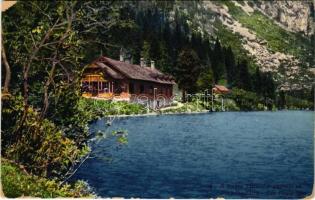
220, 89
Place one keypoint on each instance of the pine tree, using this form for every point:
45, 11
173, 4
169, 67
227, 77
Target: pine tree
217, 62
230, 66
145, 52
268, 89
187, 70
206, 48
164, 63
269, 86
281, 100
178, 38
257, 82
196, 44
205, 79
154, 51
167, 32
245, 79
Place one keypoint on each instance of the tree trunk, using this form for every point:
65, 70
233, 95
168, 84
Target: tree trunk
47, 84
7, 71
184, 96
26, 69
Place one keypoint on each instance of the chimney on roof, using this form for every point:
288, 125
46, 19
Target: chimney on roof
152, 64
121, 58
142, 63
121, 55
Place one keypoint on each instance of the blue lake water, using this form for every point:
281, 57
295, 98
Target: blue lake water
228, 154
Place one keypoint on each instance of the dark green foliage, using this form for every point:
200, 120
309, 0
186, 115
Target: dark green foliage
294, 103
257, 81
40, 145
145, 52
205, 79
245, 100
16, 183
244, 79
268, 86
47, 132
187, 70
217, 65
230, 66
98, 108
312, 94
281, 100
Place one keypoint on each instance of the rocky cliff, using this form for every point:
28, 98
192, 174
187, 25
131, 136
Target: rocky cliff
272, 33
295, 16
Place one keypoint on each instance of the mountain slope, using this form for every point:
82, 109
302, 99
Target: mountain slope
272, 33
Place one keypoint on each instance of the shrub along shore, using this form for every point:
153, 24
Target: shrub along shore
17, 182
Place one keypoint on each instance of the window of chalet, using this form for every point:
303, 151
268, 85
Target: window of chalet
85, 86
117, 88
131, 88
105, 87
160, 90
141, 88
151, 89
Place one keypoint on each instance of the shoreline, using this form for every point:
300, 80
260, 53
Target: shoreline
157, 114
189, 113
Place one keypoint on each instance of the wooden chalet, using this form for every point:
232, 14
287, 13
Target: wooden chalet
111, 79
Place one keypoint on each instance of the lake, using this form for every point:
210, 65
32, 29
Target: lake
223, 154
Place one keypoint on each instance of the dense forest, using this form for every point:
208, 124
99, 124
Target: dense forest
46, 46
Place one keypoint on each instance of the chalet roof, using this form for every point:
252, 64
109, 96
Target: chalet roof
110, 71
118, 69
220, 89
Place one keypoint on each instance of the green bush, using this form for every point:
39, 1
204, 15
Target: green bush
17, 183
230, 105
194, 106
100, 108
294, 103
39, 145
246, 101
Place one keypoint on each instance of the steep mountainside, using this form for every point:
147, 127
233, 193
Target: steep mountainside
272, 33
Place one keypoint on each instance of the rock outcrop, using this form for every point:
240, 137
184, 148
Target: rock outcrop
295, 16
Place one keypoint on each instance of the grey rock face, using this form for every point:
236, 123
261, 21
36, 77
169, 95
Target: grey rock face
296, 16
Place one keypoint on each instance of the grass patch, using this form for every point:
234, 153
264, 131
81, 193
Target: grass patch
202, 105
100, 108
188, 107
228, 38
